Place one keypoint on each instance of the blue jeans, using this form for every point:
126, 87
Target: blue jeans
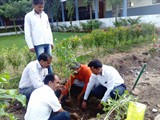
27, 92
44, 48
60, 116
100, 91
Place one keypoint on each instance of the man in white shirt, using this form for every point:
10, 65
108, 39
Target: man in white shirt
104, 83
44, 105
37, 30
33, 74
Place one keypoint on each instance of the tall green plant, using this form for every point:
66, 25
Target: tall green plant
65, 54
117, 109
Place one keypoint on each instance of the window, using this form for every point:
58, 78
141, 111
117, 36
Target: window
130, 3
155, 1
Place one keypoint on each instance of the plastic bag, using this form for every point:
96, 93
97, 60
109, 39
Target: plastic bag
136, 111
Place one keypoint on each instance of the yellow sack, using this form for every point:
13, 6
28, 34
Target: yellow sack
136, 111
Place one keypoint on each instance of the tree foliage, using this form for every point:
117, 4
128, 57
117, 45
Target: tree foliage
116, 5
56, 9
70, 7
88, 3
115, 2
15, 9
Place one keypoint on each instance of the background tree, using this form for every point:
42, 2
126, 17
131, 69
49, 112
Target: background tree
70, 8
15, 9
56, 11
88, 3
116, 5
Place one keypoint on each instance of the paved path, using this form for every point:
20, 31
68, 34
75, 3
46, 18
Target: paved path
11, 33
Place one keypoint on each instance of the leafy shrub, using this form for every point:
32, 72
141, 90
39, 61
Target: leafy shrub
120, 22
87, 41
133, 21
148, 29
62, 28
14, 58
127, 22
2, 62
8, 96
98, 38
91, 25
95, 24
75, 28
27, 55
86, 27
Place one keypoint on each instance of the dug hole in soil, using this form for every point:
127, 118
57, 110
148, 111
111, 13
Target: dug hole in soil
129, 65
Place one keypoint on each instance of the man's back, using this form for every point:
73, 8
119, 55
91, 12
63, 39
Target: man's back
41, 103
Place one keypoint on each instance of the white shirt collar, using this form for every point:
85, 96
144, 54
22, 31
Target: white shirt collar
39, 65
102, 71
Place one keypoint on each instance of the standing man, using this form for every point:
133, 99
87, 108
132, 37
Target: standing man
33, 74
44, 105
37, 30
107, 82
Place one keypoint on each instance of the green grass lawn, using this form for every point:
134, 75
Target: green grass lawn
19, 41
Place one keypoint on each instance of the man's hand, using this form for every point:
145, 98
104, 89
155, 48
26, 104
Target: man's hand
84, 104
99, 106
32, 50
75, 116
62, 88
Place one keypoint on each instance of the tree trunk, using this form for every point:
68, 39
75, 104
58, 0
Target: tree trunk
15, 27
57, 25
90, 10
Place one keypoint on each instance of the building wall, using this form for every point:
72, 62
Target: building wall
135, 3
140, 8
139, 3
144, 10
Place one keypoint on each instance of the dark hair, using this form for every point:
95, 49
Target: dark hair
74, 65
44, 57
49, 77
36, 2
95, 63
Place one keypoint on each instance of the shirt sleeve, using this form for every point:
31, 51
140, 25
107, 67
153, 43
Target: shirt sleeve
90, 85
68, 85
27, 31
110, 87
50, 32
54, 102
87, 77
35, 78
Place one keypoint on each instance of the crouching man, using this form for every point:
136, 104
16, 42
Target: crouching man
105, 82
44, 105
